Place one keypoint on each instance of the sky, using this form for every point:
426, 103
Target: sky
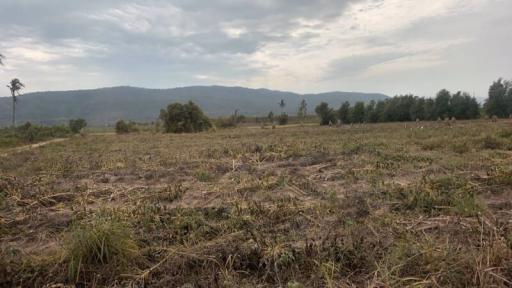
306, 46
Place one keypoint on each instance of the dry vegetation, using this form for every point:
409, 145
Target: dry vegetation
385, 205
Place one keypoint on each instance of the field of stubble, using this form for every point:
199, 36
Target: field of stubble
384, 205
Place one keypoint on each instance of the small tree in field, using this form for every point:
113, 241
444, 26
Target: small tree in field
75, 125
270, 117
303, 110
326, 114
184, 118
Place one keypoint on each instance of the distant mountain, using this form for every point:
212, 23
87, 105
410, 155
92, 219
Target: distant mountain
107, 105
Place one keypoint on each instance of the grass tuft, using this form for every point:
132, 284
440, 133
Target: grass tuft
97, 242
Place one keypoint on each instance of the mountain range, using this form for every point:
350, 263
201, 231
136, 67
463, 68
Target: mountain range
106, 105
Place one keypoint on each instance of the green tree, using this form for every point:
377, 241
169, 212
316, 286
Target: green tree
303, 110
270, 117
369, 112
442, 103
326, 114
430, 110
344, 113
497, 104
15, 87
508, 97
184, 118
463, 106
417, 110
357, 114
75, 125
380, 111
282, 105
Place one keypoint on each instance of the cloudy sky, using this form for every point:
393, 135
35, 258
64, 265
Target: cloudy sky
388, 46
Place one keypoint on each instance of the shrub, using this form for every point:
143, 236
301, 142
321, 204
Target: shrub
123, 127
75, 125
98, 241
283, 119
29, 133
184, 118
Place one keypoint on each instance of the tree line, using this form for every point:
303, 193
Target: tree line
402, 108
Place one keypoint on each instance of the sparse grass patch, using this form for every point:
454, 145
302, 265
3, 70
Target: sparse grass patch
461, 147
433, 144
500, 175
492, 142
412, 263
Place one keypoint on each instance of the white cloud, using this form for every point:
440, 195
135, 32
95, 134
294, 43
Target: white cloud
308, 59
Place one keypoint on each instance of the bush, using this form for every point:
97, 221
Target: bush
75, 125
184, 118
98, 241
283, 119
125, 128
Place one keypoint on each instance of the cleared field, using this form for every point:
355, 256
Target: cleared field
384, 205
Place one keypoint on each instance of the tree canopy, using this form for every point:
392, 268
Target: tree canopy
326, 114
184, 118
499, 102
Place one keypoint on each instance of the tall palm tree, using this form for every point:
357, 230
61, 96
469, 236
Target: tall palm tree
15, 87
281, 105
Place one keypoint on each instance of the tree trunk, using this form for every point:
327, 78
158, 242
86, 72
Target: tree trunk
13, 112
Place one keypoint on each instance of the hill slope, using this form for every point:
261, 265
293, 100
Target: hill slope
106, 105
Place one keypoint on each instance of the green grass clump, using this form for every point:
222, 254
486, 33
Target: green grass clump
203, 176
96, 242
414, 264
433, 196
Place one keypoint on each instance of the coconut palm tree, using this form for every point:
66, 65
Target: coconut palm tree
15, 87
282, 105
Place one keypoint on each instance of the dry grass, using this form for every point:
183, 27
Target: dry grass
369, 205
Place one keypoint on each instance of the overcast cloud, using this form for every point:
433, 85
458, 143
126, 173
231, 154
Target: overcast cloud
389, 46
